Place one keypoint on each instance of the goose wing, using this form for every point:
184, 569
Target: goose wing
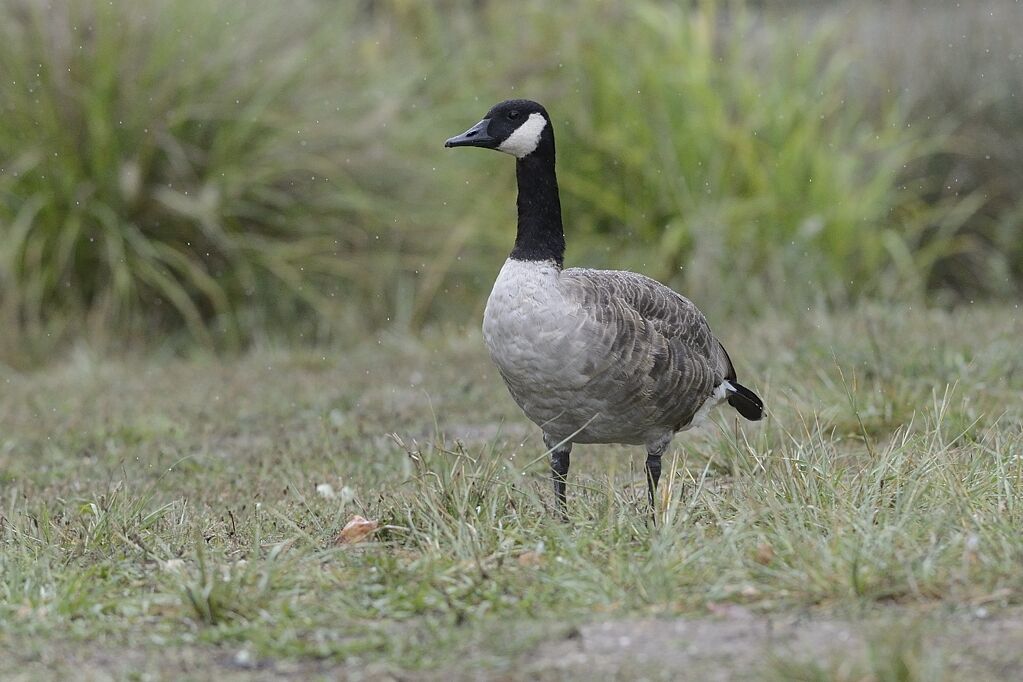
650, 346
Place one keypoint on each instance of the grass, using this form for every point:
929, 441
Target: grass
176, 166
199, 177
189, 172
172, 506
718, 154
959, 61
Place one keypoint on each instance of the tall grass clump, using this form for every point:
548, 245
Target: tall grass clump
956, 66
171, 165
734, 156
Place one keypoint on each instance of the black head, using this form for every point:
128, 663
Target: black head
517, 126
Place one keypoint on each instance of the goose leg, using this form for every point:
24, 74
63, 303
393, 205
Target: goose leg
654, 450
653, 475
559, 469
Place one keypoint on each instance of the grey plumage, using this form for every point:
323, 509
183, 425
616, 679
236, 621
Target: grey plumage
666, 361
630, 360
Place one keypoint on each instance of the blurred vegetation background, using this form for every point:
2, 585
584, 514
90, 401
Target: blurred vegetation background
182, 172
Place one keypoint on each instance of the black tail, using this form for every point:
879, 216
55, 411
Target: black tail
745, 401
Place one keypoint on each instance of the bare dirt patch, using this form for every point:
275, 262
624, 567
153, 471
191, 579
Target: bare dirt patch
739, 645
734, 645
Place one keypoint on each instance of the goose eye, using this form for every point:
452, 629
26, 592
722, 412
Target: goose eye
513, 114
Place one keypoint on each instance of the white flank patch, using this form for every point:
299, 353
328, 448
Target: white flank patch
716, 398
526, 137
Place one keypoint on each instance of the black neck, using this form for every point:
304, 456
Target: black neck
541, 236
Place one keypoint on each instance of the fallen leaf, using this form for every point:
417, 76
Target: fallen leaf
764, 554
530, 559
355, 530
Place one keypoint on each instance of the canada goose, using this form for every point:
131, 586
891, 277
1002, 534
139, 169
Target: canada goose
591, 356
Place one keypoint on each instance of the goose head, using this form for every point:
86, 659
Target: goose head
519, 127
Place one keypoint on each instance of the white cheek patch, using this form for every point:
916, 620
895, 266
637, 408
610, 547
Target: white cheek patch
526, 137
